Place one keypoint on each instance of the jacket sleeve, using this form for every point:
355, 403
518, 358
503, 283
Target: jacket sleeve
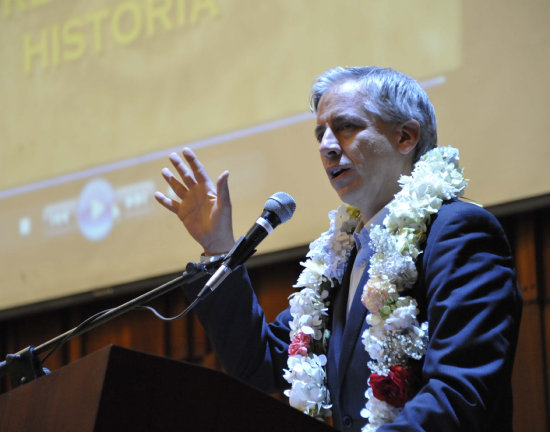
248, 347
473, 306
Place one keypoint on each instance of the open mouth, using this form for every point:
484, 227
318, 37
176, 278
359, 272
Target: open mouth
336, 172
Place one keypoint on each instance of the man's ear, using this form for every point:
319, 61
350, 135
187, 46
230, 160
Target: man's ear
409, 135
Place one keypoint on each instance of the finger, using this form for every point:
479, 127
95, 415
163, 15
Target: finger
198, 168
223, 189
183, 170
173, 182
166, 202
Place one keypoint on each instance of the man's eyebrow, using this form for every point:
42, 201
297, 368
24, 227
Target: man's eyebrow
339, 120
348, 119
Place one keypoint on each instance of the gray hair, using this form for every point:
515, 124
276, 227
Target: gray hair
391, 95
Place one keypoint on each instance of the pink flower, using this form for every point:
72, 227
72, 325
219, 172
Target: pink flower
374, 295
299, 345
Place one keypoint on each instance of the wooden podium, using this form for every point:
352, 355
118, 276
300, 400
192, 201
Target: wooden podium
117, 389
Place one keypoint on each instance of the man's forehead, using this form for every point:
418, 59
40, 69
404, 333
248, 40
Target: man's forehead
349, 89
346, 95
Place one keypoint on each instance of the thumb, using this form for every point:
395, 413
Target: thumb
223, 190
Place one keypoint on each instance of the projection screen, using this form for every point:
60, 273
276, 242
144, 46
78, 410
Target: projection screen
96, 94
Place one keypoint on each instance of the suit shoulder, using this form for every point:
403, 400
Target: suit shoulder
462, 220
460, 211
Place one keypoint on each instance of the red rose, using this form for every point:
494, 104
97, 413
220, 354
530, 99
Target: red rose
299, 345
397, 388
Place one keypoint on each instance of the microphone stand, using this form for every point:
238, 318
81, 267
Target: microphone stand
25, 365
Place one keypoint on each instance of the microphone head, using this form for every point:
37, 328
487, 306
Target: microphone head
282, 204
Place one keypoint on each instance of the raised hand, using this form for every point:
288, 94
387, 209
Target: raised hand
204, 208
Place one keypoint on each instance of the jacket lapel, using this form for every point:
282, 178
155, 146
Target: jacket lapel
353, 324
356, 320
337, 329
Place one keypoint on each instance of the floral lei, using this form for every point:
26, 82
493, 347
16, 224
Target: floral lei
394, 338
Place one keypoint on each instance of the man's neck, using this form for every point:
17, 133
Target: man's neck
368, 217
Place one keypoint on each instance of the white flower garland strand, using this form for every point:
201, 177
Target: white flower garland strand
394, 335
324, 270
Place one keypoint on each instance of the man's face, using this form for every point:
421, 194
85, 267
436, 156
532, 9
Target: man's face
360, 153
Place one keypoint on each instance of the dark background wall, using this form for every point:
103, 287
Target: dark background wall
527, 230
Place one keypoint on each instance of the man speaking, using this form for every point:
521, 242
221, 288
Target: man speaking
408, 312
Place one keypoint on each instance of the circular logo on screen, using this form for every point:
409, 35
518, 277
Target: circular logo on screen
95, 209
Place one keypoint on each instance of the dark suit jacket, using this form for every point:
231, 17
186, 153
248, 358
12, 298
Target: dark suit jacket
466, 290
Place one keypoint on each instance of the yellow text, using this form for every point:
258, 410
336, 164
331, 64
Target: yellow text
124, 24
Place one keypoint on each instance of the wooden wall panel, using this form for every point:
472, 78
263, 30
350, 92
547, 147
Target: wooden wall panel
529, 392
274, 286
178, 340
34, 331
546, 352
544, 224
529, 388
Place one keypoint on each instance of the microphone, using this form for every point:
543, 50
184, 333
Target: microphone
278, 209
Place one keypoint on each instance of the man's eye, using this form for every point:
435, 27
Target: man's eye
347, 126
319, 135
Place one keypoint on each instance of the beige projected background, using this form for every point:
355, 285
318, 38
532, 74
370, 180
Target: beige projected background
95, 94
97, 81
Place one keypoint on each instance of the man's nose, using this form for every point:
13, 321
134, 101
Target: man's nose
330, 147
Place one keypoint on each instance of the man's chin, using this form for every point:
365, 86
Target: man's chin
348, 197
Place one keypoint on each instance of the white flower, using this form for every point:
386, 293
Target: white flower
312, 275
307, 376
377, 412
373, 341
307, 309
404, 316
